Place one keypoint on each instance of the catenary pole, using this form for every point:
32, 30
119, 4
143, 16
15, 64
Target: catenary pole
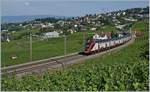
30, 44
83, 40
65, 47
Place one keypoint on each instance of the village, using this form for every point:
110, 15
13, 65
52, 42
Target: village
54, 27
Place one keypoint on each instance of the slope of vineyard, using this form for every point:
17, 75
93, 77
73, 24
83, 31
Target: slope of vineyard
126, 69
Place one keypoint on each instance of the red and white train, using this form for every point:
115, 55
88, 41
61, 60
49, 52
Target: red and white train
94, 45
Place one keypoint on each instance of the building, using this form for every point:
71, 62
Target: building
50, 35
93, 29
120, 26
96, 36
37, 26
71, 31
130, 19
51, 25
4, 30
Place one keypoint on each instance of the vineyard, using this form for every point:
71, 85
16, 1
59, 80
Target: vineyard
127, 69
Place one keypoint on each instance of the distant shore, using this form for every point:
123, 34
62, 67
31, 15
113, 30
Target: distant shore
19, 19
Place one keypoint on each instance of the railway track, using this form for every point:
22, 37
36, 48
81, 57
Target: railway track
51, 63
39, 65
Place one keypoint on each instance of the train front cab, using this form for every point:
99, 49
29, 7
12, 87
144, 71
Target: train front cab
88, 46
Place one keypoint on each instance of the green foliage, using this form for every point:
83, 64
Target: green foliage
131, 76
51, 20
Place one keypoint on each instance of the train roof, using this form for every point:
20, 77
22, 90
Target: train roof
106, 40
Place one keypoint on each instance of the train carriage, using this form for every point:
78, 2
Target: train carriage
94, 45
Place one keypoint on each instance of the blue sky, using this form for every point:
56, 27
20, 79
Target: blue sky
65, 7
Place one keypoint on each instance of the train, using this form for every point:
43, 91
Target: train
98, 44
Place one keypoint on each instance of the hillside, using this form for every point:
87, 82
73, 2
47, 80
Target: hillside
121, 70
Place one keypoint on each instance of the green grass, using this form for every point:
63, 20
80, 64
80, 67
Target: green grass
108, 29
140, 25
119, 71
41, 49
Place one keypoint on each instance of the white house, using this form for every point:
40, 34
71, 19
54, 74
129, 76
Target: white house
8, 40
51, 35
96, 36
20, 25
120, 26
120, 35
118, 14
75, 25
124, 13
43, 26
93, 29
4, 30
61, 23
130, 19
61, 32
50, 25
71, 31
109, 14
13, 31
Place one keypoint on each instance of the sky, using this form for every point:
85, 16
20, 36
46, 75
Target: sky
65, 7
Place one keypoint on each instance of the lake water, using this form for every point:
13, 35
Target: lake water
17, 19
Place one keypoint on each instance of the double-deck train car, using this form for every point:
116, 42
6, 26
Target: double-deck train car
97, 45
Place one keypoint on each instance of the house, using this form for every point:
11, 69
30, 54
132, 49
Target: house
130, 19
8, 40
100, 37
14, 57
120, 35
61, 32
5, 37
51, 25
43, 26
124, 13
93, 22
61, 23
143, 15
50, 35
137, 32
71, 31
109, 14
20, 25
13, 31
93, 29
120, 26
118, 14
75, 25
4, 30
36, 26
